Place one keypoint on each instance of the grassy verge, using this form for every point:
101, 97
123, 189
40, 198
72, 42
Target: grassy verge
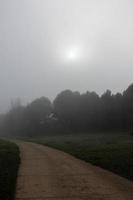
9, 162
112, 152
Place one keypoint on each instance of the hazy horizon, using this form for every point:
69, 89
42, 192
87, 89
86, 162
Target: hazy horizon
47, 46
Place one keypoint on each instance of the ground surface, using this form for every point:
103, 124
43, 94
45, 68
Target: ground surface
47, 174
111, 151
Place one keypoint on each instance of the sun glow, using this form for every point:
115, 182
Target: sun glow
73, 54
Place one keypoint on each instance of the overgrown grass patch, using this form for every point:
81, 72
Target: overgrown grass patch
9, 162
109, 151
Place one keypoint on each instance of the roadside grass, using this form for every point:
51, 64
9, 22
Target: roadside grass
113, 152
9, 162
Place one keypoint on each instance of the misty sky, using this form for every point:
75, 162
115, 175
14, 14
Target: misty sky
47, 46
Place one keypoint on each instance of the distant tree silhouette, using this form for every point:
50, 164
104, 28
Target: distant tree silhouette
71, 111
66, 107
35, 115
29, 120
12, 121
128, 108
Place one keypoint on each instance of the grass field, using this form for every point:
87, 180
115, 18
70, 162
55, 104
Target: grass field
110, 151
9, 162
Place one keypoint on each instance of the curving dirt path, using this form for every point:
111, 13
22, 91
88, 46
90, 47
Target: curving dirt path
49, 174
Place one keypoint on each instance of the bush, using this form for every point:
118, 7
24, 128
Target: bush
9, 162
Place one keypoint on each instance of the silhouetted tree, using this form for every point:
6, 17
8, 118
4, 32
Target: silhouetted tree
128, 108
70, 111
35, 116
66, 107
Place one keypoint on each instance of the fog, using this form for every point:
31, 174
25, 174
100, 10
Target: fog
47, 46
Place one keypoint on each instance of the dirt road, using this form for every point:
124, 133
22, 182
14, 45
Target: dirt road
48, 174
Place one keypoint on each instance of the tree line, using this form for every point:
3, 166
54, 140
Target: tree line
70, 112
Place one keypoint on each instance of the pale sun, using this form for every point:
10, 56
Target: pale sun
73, 54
